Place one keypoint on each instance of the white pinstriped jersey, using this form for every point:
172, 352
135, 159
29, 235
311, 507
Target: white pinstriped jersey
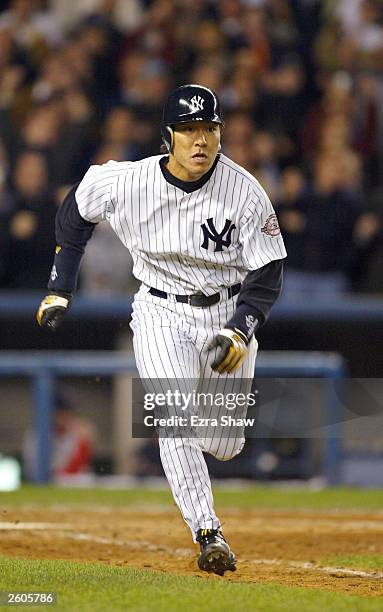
184, 242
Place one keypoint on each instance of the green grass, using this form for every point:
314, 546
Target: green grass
362, 562
92, 586
248, 497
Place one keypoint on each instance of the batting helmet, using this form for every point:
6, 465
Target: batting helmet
189, 103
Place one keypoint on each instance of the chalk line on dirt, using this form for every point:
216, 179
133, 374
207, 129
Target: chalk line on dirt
186, 552
22, 526
64, 530
345, 571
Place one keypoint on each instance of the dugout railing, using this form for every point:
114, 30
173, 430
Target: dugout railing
44, 367
348, 307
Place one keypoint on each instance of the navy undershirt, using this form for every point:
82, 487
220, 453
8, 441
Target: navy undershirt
187, 186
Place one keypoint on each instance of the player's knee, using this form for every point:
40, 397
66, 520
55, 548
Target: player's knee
225, 450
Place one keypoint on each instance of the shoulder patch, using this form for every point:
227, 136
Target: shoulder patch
271, 227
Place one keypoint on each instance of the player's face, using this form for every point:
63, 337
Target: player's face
195, 148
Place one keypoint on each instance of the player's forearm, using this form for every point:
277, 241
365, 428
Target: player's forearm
65, 270
72, 235
259, 291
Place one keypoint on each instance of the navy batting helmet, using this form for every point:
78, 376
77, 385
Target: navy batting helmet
189, 103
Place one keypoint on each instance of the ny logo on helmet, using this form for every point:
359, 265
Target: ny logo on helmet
210, 233
196, 103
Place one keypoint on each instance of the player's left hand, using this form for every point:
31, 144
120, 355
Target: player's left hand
232, 350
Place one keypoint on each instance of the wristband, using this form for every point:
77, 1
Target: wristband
245, 320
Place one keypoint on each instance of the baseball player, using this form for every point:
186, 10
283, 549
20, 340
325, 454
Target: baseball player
207, 249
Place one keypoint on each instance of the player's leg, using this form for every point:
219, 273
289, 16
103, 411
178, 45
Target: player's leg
223, 442
227, 439
166, 356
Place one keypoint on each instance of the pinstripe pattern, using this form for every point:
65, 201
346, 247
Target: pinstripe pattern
170, 344
161, 225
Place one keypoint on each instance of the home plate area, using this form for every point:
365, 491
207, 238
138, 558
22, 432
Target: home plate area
290, 548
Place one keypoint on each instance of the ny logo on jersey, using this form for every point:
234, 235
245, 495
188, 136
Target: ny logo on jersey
196, 104
218, 238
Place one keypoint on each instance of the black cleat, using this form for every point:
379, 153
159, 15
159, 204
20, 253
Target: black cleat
215, 555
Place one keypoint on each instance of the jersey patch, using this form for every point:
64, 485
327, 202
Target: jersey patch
210, 233
271, 227
54, 274
251, 324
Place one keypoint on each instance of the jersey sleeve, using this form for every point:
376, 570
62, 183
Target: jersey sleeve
260, 233
72, 235
94, 194
260, 289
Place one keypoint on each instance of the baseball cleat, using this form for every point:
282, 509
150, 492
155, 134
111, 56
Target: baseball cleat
215, 555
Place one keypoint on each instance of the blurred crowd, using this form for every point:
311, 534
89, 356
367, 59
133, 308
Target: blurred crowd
84, 81
73, 441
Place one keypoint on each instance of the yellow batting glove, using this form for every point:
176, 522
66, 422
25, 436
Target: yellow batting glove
52, 309
233, 350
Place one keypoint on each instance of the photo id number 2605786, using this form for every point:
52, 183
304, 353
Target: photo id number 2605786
21, 598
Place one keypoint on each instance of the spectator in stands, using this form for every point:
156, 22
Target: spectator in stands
320, 224
264, 158
240, 93
26, 240
77, 137
73, 441
208, 74
41, 129
61, 130
100, 40
118, 133
367, 126
143, 83
368, 236
239, 130
33, 30
256, 36
290, 208
13, 90
299, 82
125, 14
4, 168
283, 103
55, 78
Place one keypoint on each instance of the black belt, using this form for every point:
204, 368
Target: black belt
198, 299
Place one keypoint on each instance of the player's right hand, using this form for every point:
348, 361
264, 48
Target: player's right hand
52, 309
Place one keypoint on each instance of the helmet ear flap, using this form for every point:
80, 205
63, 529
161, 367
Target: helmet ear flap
221, 128
167, 137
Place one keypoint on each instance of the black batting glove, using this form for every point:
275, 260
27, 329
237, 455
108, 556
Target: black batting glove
52, 309
232, 350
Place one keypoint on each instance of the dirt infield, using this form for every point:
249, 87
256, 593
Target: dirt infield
289, 548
